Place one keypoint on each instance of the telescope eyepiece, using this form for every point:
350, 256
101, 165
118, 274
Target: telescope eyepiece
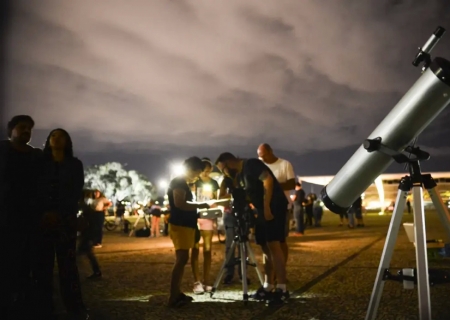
439, 32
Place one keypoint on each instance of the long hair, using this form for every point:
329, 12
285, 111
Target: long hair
68, 149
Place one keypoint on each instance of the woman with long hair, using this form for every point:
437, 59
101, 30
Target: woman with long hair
62, 181
206, 189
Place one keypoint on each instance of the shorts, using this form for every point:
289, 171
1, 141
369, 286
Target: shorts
270, 231
207, 236
183, 238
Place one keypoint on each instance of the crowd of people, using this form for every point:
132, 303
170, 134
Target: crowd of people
51, 181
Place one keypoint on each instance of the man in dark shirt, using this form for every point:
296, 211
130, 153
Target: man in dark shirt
266, 194
299, 200
19, 166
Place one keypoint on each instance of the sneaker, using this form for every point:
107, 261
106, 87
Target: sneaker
198, 288
207, 289
261, 294
186, 297
95, 275
278, 298
181, 300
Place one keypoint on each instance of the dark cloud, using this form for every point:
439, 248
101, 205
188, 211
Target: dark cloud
165, 77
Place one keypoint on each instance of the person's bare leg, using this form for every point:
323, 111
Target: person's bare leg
269, 275
153, 228
285, 249
182, 257
278, 260
207, 244
194, 263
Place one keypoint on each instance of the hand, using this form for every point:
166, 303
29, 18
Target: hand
213, 205
268, 213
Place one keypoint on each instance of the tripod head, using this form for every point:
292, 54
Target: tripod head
424, 52
372, 145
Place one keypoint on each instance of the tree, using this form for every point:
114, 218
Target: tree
116, 182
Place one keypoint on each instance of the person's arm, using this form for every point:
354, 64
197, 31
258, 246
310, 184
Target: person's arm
267, 180
179, 198
290, 175
223, 192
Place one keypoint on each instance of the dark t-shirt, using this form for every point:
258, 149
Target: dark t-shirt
19, 201
254, 187
180, 217
299, 198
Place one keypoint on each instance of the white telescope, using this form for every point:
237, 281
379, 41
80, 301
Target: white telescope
424, 101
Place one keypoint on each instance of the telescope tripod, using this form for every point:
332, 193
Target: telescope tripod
415, 182
246, 258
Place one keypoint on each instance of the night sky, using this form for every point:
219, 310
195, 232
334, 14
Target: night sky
149, 82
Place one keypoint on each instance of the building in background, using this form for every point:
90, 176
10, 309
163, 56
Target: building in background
381, 195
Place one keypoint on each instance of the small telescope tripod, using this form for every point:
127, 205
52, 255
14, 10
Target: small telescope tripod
246, 258
416, 181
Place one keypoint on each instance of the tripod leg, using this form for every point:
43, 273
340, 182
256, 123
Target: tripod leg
441, 209
134, 226
423, 285
244, 255
229, 259
253, 260
386, 256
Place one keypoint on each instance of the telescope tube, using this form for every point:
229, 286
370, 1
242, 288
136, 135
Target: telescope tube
412, 114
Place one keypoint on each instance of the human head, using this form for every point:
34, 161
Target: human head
298, 186
265, 153
228, 164
59, 139
207, 168
193, 166
19, 129
97, 194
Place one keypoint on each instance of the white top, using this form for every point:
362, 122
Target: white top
283, 171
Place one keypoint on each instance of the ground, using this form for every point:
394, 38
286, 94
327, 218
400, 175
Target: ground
331, 272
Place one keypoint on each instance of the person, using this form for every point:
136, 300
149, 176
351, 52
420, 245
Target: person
61, 187
309, 204
206, 189
155, 212
20, 164
299, 200
100, 204
284, 173
183, 225
87, 235
357, 207
269, 200
318, 213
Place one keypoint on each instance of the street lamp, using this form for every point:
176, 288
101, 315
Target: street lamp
163, 184
177, 169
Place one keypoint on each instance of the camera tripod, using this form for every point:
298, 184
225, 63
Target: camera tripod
246, 258
416, 181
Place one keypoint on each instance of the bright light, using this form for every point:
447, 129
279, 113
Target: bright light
178, 169
163, 184
207, 187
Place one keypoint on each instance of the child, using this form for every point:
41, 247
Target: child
317, 212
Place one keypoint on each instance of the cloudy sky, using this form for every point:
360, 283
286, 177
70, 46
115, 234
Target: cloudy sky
149, 82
